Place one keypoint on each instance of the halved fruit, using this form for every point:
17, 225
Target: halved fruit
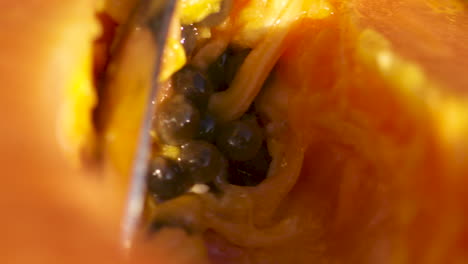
362, 106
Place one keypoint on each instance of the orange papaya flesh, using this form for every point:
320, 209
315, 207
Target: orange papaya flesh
439, 28
385, 165
54, 211
383, 174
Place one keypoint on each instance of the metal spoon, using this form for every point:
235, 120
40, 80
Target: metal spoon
155, 16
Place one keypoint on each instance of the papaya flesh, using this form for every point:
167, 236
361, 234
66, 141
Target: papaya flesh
376, 96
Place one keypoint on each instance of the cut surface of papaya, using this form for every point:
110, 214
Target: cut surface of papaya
360, 108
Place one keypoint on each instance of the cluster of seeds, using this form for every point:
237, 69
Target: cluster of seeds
210, 152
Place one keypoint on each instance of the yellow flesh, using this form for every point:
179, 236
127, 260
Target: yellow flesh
76, 130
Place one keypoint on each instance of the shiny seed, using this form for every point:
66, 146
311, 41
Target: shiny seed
177, 121
166, 180
202, 161
207, 128
192, 84
251, 172
240, 140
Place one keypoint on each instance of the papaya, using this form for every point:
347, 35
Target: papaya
358, 111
